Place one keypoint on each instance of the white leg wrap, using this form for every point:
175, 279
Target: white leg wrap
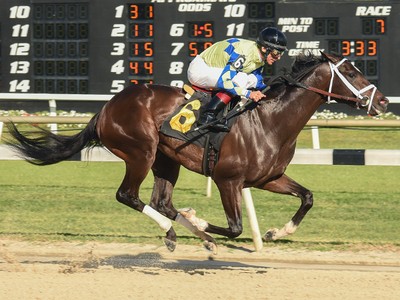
162, 221
186, 223
290, 228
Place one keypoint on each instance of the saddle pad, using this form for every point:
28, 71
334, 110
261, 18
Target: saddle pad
182, 122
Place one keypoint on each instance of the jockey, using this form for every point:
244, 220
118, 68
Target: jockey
235, 66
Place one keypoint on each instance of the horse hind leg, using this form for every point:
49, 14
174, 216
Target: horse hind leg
166, 172
128, 194
286, 185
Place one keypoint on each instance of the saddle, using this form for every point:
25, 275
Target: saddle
182, 124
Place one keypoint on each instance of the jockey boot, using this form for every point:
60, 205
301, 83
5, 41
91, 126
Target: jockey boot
210, 112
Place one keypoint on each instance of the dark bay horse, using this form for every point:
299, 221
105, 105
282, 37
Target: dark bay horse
255, 153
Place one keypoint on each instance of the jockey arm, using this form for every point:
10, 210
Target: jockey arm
237, 83
259, 85
258, 79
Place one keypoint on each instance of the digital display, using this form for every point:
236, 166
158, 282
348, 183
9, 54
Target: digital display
58, 11
367, 67
141, 11
200, 30
373, 26
254, 28
195, 48
261, 10
363, 53
260, 16
140, 81
60, 68
141, 49
354, 47
60, 47
141, 68
141, 30
60, 31
60, 86
328, 26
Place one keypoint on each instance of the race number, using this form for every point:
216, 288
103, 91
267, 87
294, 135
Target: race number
185, 118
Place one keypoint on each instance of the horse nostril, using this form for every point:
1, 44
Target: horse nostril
383, 101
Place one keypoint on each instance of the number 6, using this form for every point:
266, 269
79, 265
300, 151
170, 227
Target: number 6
176, 30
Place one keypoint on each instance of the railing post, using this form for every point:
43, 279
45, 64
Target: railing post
251, 212
315, 135
1, 129
53, 113
209, 185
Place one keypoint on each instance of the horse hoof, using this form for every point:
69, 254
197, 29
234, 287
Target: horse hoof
210, 246
171, 245
270, 235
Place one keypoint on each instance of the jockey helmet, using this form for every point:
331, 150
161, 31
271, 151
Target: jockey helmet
272, 39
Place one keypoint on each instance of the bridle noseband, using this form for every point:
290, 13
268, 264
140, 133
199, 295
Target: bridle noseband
362, 100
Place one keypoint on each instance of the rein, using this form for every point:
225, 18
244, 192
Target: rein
359, 99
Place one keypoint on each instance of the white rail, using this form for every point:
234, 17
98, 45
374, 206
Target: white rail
60, 97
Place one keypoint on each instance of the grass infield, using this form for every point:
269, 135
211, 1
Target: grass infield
356, 207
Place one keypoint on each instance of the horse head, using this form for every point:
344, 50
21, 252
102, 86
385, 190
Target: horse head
347, 81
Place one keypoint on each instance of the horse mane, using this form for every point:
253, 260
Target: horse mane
305, 63
302, 65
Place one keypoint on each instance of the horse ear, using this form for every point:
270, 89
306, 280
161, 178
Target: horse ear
330, 57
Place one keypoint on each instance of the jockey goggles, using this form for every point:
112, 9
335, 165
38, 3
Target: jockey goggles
275, 52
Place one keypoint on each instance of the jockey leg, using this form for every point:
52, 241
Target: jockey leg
210, 112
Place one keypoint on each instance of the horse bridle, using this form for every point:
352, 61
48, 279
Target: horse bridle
359, 99
362, 100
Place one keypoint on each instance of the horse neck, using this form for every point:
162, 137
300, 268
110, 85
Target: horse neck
297, 105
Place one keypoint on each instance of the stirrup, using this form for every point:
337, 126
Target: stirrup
215, 124
220, 127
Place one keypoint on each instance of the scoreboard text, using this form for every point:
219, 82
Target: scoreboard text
100, 47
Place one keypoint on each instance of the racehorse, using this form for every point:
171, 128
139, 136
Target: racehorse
255, 153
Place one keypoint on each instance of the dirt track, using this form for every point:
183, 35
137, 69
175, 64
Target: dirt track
126, 271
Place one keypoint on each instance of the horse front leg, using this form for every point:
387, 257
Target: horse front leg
286, 185
231, 197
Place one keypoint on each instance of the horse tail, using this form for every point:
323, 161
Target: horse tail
47, 148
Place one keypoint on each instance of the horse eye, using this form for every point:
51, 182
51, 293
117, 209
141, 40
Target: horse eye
352, 74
